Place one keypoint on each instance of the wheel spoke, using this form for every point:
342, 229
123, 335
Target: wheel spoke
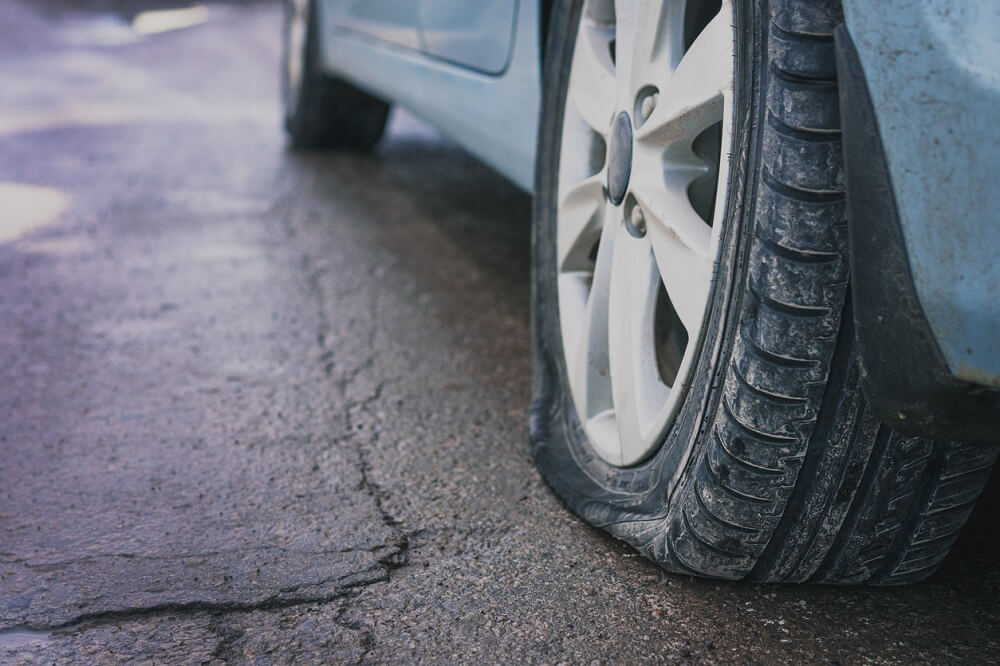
592, 77
637, 390
664, 199
587, 365
682, 244
692, 98
627, 16
686, 275
581, 214
648, 45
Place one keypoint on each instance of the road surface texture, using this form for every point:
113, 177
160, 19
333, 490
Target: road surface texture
262, 406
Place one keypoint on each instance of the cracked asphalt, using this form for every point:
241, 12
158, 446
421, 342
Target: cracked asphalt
259, 406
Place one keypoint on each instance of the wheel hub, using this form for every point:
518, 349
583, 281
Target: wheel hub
620, 158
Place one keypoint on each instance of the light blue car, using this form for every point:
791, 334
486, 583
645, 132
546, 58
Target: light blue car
766, 295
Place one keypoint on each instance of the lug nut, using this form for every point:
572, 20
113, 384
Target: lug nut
647, 106
635, 223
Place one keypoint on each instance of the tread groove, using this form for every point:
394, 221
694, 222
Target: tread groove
918, 504
810, 135
798, 80
801, 256
968, 472
732, 492
799, 194
722, 521
939, 537
774, 398
861, 498
814, 443
790, 309
704, 543
756, 469
801, 36
754, 434
834, 491
951, 507
776, 359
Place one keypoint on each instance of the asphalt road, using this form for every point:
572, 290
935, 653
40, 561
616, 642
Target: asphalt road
260, 406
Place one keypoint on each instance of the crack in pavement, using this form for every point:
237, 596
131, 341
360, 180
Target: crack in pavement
92, 558
399, 555
390, 555
275, 602
313, 275
88, 620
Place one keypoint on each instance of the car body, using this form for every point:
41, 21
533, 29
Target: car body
764, 324
490, 105
924, 242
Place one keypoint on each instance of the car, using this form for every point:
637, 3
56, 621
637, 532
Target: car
766, 324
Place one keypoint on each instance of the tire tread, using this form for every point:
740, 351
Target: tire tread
847, 500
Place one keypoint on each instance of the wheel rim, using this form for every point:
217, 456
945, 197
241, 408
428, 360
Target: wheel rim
296, 26
643, 172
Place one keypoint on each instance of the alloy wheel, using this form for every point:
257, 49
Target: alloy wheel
642, 183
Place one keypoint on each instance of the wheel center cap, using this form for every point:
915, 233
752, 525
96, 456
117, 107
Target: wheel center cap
619, 158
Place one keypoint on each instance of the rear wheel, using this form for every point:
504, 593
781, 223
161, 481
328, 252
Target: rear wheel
696, 387
322, 111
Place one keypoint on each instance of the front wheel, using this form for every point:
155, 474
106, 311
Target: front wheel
696, 390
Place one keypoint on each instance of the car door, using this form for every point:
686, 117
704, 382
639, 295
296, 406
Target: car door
478, 35
392, 21
472, 68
